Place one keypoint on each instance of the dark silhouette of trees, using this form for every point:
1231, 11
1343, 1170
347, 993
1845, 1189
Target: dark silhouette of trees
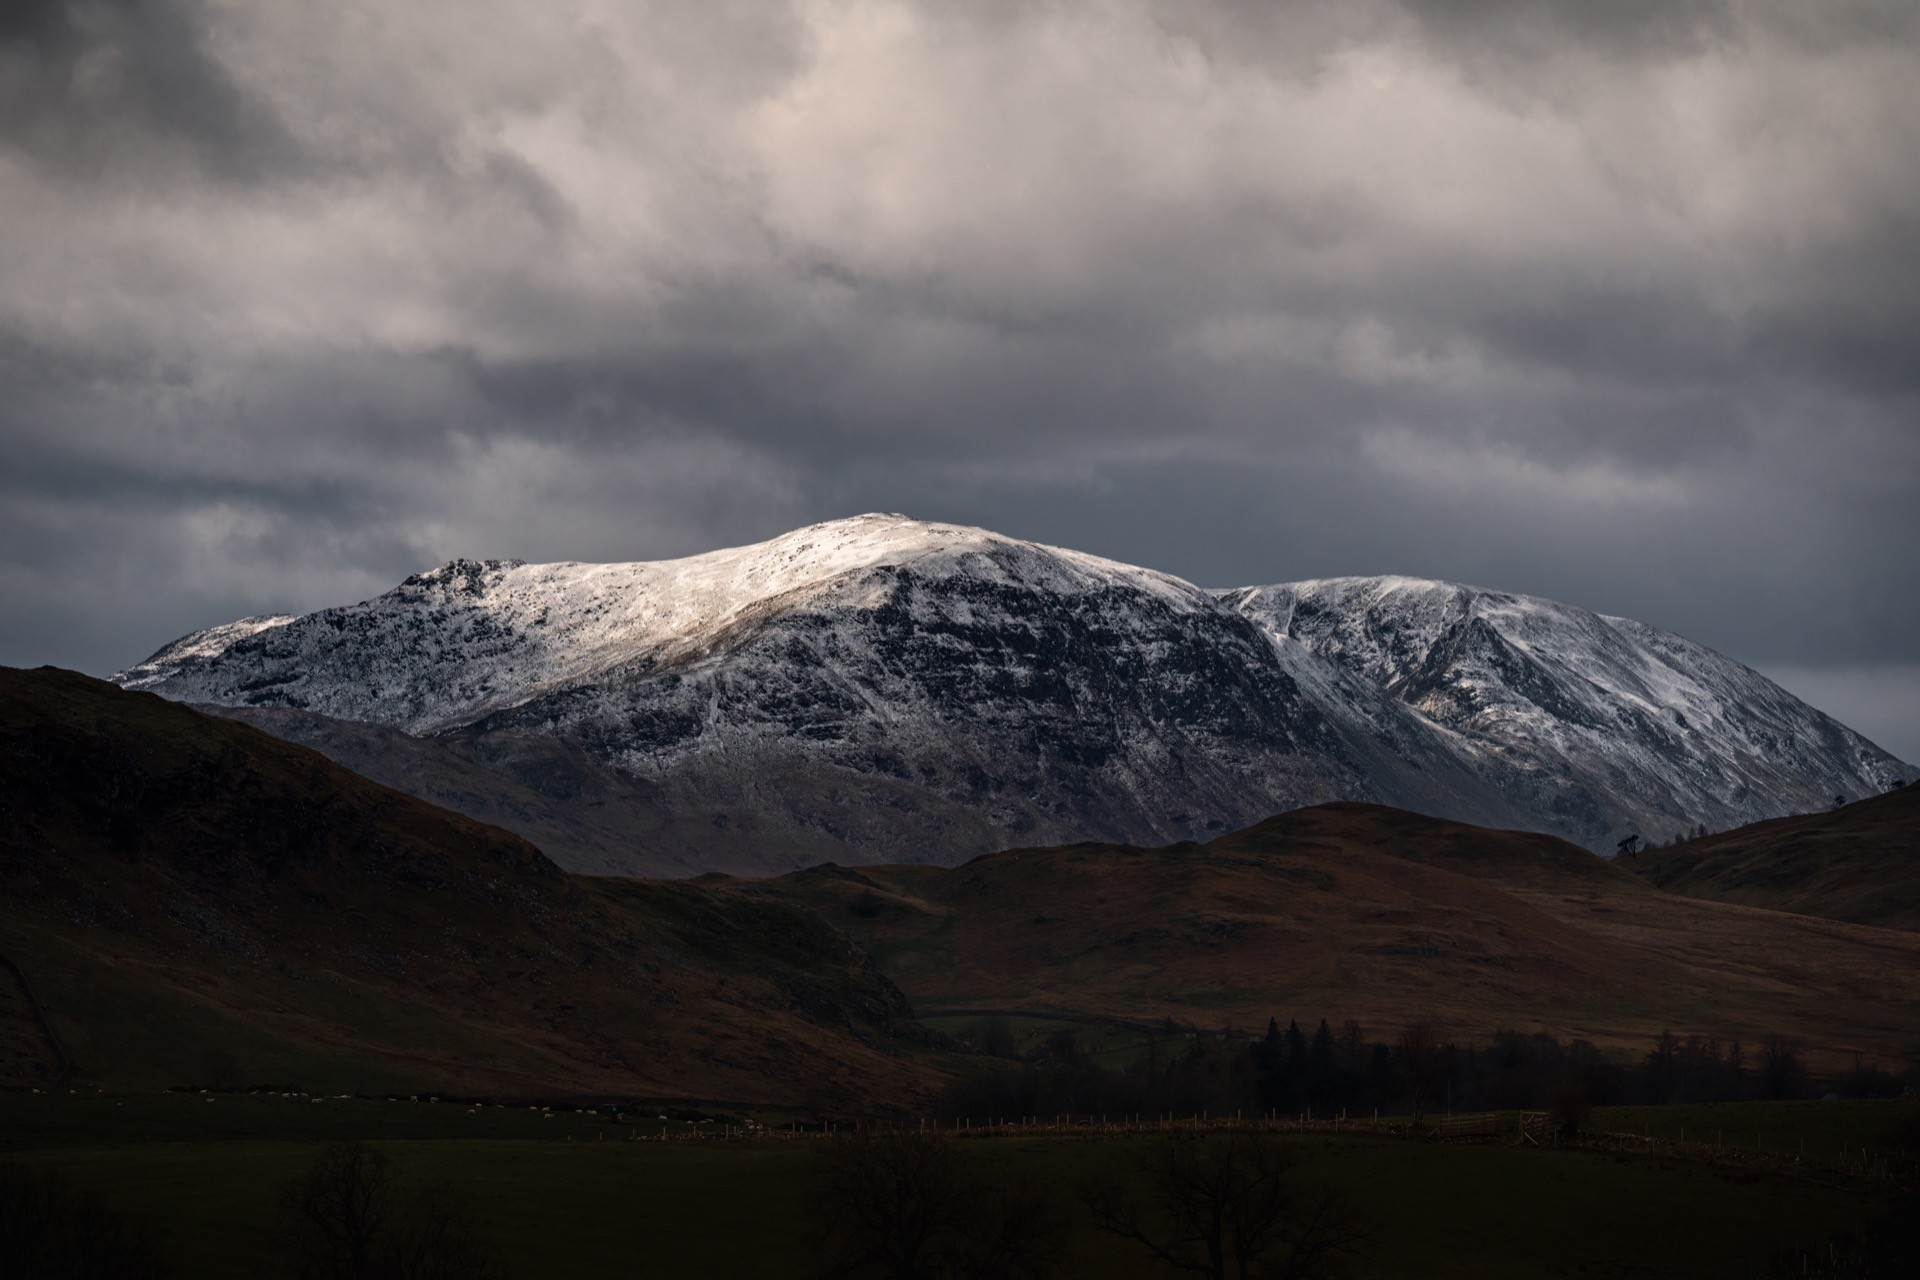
1660, 1071
1320, 1048
50, 1231
1296, 1046
1629, 846
902, 1207
1062, 1046
1332, 1071
1422, 1060
1351, 1049
996, 1038
344, 1220
1225, 1205
339, 1214
1782, 1075
1571, 1106
1270, 1051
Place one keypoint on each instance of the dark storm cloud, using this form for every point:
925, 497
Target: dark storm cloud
1609, 302
88, 85
1493, 30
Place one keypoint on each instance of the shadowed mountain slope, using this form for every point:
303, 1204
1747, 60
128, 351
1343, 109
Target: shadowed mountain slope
199, 902
1860, 862
1359, 911
588, 818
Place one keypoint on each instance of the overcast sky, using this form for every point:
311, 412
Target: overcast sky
1615, 303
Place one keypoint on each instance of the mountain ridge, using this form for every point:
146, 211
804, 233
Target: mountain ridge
864, 687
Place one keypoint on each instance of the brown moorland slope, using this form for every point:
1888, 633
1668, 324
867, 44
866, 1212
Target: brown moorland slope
1350, 910
197, 902
1860, 862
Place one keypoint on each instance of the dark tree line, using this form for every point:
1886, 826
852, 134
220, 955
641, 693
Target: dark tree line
1290, 1070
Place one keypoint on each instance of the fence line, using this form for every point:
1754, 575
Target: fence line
1523, 1128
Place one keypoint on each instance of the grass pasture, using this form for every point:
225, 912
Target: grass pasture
1819, 1129
573, 1196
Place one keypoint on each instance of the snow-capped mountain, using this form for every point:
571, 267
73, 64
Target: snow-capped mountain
1603, 724
884, 688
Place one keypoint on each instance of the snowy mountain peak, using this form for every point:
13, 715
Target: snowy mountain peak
860, 683
470, 576
1682, 733
200, 646
475, 635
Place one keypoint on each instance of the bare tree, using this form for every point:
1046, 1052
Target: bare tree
1782, 1074
901, 1206
345, 1221
1222, 1206
338, 1214
1570, 1105
436, 1241
1422, 1061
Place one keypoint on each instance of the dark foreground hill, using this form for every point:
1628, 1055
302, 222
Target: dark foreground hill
1359, 911
1860, 862
196, 902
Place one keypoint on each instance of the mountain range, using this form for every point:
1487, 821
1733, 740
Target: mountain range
881, 689
185, 900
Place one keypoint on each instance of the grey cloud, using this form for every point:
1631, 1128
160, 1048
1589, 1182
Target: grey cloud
1505, 29
1612, 303
85, 86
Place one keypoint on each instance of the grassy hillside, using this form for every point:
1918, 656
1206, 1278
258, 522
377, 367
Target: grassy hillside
1359, 911
1860, 862
194, 901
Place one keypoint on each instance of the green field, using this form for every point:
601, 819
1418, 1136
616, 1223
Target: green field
1823, 1129
575, 1196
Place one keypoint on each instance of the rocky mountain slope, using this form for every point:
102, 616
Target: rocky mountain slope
198, 903
881, 688
1603, 725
